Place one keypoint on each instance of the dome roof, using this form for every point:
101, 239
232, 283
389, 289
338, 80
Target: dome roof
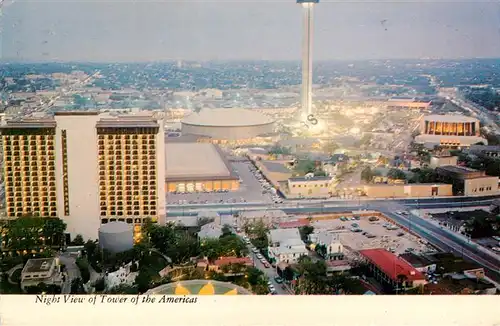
227, 118
115, 227
199, 287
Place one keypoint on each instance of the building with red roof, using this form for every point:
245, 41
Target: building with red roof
293, 224
392, 271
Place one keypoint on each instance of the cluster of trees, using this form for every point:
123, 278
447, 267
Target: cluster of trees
486, 97
173, 241
314, 280
27, 233
305, 231
367, 174
226, 245
303, 167
257, 232
423, 175
280, 150
483, 226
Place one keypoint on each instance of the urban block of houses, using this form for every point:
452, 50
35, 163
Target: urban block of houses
285, 245
41, 270
334, 249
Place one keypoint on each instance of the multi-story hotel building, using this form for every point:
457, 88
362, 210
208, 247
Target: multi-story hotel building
86, 168
450, 131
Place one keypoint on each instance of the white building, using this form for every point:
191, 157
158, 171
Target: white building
334, 248
285, 245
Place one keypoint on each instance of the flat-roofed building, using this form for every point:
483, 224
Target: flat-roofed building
41, 270
268, 217
408, 190
194, 167
466, 181
454, 131
85, 168
310, 187
441, 160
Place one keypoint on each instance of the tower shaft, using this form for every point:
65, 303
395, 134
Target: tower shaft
307, 44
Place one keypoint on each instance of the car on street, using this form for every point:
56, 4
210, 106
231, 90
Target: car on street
266, 264
278, 279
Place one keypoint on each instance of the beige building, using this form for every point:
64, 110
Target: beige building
437, 161
42, 270
455, 131
85, 168
310, 187
268, 217
192, 167
468, 182
409, 190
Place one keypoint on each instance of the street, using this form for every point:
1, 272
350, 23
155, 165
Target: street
72, 271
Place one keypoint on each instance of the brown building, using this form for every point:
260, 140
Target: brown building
466, 181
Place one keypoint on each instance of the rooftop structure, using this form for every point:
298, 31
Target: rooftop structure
228, 124
45, 270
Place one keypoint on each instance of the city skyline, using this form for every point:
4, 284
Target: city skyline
122, 31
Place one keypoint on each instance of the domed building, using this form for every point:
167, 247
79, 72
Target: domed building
199, 287
228, 125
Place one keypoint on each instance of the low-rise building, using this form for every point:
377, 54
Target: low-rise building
408, 190
310, 186
421, 263
41, 270
269, 217
393, 272
466, 181
441, 160
285, 245
334, 250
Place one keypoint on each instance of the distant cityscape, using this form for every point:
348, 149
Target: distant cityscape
206, 178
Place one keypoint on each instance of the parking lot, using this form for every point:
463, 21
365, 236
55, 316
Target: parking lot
250, 190
373, 234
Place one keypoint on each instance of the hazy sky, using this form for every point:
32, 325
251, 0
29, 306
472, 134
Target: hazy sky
247, 29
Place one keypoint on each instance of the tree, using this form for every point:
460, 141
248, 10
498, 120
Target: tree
53, 231
254, 275
305, 231
321, 250
396, 174
367, 174
226, 230
78, 240
77, 286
